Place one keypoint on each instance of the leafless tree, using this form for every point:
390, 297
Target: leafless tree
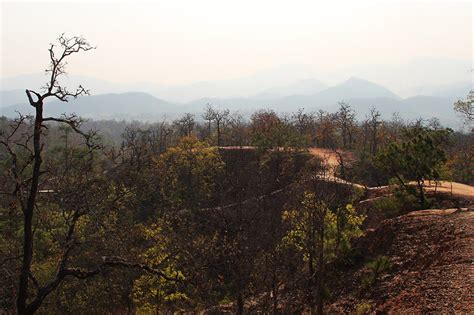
221, 118
345, 119
24, 142
466, 108
26, 189
374, 123
209, 117
238, 130
303, 121
185, 124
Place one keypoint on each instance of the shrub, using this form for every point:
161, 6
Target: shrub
363, 307
376, 268
399, 203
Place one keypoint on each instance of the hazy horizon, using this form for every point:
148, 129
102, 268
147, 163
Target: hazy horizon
176, 43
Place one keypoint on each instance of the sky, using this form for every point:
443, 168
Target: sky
177, 42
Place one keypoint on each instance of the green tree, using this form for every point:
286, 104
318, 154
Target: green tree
417, 156
153, 293
188, 174
322, 227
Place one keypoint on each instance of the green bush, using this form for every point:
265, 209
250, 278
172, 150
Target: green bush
364, 307
376, 268
398, 203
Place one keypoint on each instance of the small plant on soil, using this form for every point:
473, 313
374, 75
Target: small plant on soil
376, 268
364, 307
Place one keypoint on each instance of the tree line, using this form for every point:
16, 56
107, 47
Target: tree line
197, 214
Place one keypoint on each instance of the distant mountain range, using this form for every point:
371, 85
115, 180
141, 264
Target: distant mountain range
454, 90
300, 87
310, 94
360, 94
102, 106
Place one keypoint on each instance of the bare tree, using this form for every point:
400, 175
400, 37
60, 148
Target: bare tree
24, 143
221, 118
466, 108
185, 124
238, 131
325, 129
209, 117
136, 142
304, 124
374, 122
27, 190
165, 131
345, 118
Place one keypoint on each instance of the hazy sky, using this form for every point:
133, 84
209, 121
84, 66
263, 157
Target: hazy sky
170, 42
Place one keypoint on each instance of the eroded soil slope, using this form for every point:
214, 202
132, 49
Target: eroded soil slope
431, 253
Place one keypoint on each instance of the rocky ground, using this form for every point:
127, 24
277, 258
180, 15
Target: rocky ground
431, 254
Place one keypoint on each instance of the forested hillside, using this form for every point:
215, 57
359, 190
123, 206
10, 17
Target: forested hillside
307, 212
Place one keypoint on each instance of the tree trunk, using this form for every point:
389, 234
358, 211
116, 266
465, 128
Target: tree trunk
218, 134
422, 194
311, 283
319, 284
274, 290
374, 142
240, 304
28, 216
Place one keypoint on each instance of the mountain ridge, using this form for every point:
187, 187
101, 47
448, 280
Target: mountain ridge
361, 94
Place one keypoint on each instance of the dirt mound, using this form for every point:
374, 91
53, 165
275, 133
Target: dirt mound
332, 157
431, 254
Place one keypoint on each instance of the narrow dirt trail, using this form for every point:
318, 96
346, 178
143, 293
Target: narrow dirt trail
457, 189
332, 159
431, 253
